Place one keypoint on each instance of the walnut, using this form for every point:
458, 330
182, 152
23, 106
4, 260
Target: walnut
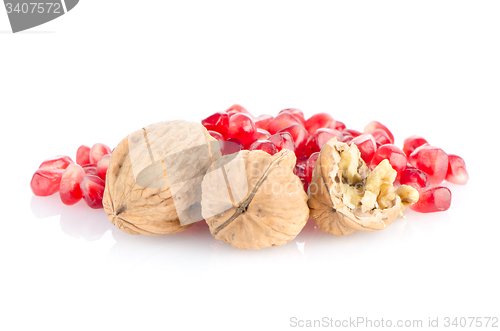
253, 200
345, 196
153, 183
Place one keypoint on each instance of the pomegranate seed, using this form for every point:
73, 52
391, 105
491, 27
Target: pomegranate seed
262, 134
297, 113
218, 122
56, 162
299, 171
431, 160
347, 138
311, 163
299, 136
302, 160
320, 120
230, 146
374, 125
46, 182
367, 146
320, 138
82, 155
352, 132
265, 146
381, 137
239, 109
339, 126
92, 188
216, 135
283, 140
457, 173
396, 158
282, 121
102, 166
97, 152
411, 143
69, 189
432, 199
414, 177
242, 127
91, 169
262, 122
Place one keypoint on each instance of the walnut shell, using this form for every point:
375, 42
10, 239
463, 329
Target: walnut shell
153, 183
327, 198
254, 200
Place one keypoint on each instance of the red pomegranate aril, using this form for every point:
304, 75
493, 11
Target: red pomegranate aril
218, 122
262, 134
69, 189
297, 113
432, 160
239, 109
339, 126
311, 163
230, 146
302, 160
320, 138
381, 137
411, 143
299, 135
265, 146
299, 171
82, 155
283, 140
45, 182
102, 166
242, 127
320, 120
457, 173
352, 132
414, 177
216, 135
433, 199
97, 152
374, 125
90, 169
92, 188
56, 162
366, 145
262, 121
396, 158
282, 121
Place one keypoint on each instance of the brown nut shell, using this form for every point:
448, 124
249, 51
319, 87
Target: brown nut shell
326, 197
149, 169
254, 200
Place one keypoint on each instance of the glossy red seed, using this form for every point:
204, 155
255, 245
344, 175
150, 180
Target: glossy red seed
91, 169
242, 127
366, 145
282, 121
396, 158
82, 155
320, 138
352, 132
56, 162
239, 109
297, 113
230, 146
302, 160
382, 137
46, 182
283, 140
262, 134
411, 143
262, 122
97, 152
216, 135
339, 126
218, 122
414, 177
432, 199
92, 188
265, 146
374, 125
457, 173
320, 120
432, 160
299, 170
311, 163
69, 189
299, 135
102, 166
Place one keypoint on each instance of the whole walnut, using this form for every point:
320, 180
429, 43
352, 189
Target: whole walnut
345, 196
153, 183
253, 200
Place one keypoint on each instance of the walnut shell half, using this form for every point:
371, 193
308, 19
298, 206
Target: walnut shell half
153, 183
253, 200
345, 196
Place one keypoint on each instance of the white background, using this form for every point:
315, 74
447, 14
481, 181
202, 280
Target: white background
110, 67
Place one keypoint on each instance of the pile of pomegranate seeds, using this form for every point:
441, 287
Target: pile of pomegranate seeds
418, 164
74, 181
